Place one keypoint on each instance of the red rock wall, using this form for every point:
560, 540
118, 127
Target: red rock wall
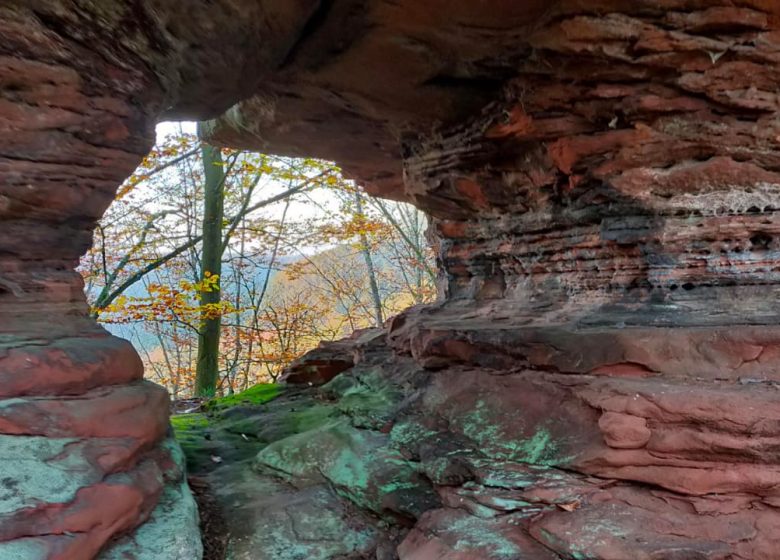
609, 241
82, 85
73, 124
608, 328
628, 179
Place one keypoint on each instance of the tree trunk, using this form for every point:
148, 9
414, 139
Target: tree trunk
207, 372
365, 248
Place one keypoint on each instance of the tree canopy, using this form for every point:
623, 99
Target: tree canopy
271, 254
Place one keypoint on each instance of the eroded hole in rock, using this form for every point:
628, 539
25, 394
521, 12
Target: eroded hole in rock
761, 240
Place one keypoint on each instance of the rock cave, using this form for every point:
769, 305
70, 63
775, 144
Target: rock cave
599, 378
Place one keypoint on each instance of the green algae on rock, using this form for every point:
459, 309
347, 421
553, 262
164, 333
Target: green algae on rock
359, 464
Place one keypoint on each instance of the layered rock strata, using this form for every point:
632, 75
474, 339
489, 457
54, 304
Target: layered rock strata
389, 460
81, 432
608, 327
86, 458
599, 377
83, 438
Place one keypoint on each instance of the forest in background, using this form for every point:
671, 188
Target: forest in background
259, 257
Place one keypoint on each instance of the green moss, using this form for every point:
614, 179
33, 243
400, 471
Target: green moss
190, 430
183, 423
259, 394
309, 418
236, 427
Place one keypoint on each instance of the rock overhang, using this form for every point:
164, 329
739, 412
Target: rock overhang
612, 155
603, 177
364, 78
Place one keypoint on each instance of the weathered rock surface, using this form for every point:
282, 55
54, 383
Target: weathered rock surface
171, 532
604, 360
469, 463
82, 85
599, 379
330, 358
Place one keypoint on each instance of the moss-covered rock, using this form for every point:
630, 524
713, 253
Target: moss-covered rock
191, 432
258, 394
359, 464
224, 427
308, 472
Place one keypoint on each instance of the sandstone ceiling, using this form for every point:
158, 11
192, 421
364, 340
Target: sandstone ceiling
341, 80
363, 76
353, 81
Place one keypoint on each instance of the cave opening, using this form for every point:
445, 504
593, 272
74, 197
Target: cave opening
599, 375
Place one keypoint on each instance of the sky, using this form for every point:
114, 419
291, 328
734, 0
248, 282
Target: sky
172, 127
301, 211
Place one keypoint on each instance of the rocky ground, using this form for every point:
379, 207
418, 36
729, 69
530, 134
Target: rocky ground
387, 460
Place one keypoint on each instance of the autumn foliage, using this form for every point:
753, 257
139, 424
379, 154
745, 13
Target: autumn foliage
306, 257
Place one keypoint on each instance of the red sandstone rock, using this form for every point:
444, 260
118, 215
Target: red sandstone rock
454, 535
603, 181
320, 365
68, 366
138, 412
624, 431
330, 358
